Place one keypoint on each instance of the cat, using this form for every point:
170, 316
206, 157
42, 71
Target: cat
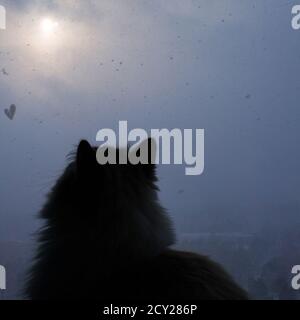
106, 236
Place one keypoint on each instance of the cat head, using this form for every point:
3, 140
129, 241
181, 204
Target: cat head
114, 176
117, 202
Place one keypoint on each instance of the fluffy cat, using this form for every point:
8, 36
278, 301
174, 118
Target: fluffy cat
106, 236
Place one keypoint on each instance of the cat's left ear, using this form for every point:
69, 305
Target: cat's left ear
146, 152
85, 159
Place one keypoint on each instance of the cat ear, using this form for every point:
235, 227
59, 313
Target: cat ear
152, 151
85, 159
150, 168
146, 152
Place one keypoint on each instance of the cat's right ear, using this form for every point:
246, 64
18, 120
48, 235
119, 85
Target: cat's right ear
85, 159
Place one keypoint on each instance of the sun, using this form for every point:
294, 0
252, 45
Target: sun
48, 34
48, 26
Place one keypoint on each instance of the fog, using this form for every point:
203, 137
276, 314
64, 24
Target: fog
228, 67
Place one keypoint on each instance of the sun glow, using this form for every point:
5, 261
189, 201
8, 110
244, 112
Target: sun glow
48, 35
49, 26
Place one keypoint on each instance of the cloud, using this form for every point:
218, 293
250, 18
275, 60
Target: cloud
91, 35
107, 46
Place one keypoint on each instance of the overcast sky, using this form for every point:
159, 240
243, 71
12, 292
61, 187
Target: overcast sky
230, 67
